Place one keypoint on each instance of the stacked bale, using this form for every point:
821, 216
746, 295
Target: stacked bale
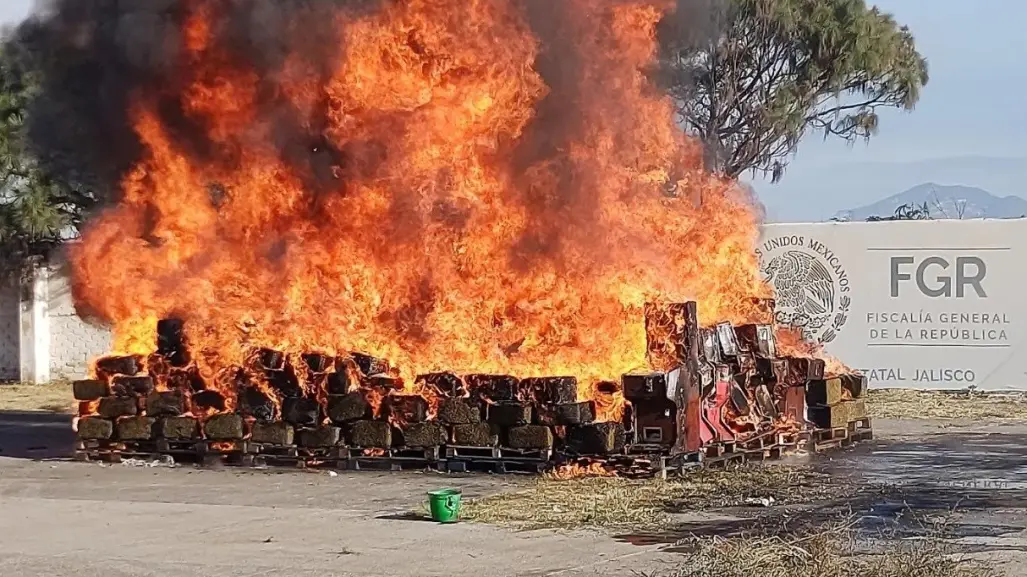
114, 403
704, 384
837, 401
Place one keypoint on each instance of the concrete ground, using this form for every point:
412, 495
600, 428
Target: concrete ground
59, 518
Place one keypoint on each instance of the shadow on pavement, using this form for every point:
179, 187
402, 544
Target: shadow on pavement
405, 516
975, 483
27, 435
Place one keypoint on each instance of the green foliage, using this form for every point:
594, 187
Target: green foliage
36, 212
752, 77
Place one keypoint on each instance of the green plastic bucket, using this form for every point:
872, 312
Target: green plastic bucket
444, 505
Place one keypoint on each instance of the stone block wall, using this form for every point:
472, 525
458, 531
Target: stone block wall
73, 341
9, 330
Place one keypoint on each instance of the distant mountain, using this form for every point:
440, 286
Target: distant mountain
816, 193
944, 202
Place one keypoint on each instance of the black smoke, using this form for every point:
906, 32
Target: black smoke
92, 58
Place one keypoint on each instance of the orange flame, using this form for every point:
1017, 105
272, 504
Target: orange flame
578, 470
88, 408
790, 343
449, 232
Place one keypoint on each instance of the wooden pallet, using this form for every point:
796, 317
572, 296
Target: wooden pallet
267, 455
498, 466
841, 437
502, 460
201, 451
794, 438
757, 442
639, 460
399, 453
769, 453
646, 449
398, 459
725, 460
720, 449
387, 464
96, 450
864, 424
832, 434
507, 453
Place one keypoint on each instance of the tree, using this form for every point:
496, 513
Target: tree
37, 212
752, 77
906, 212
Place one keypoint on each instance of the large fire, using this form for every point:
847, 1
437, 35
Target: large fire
472, 197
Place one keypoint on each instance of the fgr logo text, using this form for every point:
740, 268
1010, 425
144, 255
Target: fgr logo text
939, 277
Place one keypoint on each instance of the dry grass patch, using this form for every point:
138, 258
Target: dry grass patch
910, 404
616, 503
50, 398
834, 550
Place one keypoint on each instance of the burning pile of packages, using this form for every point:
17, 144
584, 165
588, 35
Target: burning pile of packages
716, 386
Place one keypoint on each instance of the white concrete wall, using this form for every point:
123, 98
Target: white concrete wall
73, 342
915, 304
9, 332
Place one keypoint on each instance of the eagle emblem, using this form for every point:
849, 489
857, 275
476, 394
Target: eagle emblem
804, 290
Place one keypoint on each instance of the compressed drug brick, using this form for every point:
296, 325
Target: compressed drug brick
371, 434
224, 428
596, 439
370, 365
855, 385
166, 404
95, 429
832, 416
530, 437
135, 428
459, 411
824, 391
644, 386
509, 414
551, 390
89, 390
139, 386
278, 433
475, 435
581, 413
253, 403
495, 388
317, 362
178, 428
427, 434
301, 411
405, 409
340, 383
858, 410
115, 407
110, 366
443, 384
348, 408
323, 436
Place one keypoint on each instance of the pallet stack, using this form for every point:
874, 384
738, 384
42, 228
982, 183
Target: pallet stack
838, 410
364, 418
721, 392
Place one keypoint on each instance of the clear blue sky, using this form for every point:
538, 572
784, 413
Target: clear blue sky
972, 107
